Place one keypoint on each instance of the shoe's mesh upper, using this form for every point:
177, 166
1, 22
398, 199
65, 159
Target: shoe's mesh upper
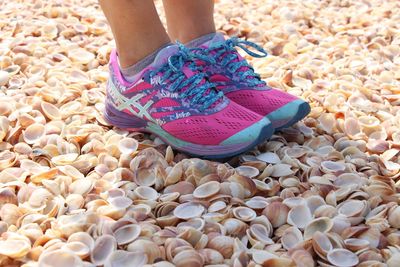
215, 128
261, 101
165, 102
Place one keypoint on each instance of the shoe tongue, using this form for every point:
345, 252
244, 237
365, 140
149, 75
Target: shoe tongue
164, 54
218, 37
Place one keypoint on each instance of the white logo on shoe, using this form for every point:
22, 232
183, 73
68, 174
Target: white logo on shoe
164, 93
181, 115
156, 80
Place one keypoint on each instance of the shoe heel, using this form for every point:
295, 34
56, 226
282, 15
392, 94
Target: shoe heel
122, 120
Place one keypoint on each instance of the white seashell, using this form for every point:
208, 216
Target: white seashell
51, 111
342, 257
78, 248
206, 190
355, 244
280, 170
188, 210
33, 133
14, 248
247, 171
331, 166
291, 238
299, 216
4, 77
128, 145
244, 214
269, 157
127, 234
145, 192
80, 56
122, 258
104, 246
322, 224
61, 258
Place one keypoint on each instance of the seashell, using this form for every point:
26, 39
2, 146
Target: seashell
342, 257
81, 186
188, 210
352, 208
174, 175
314, 202
393, 260
59, 257
147, 247
235, 227
332, 167
291, 238
33, 133
104, 246
7, 159
321, 244
372, 235
257, 203
299, 216
145, 192
78, 248
128, 145
261, 256
188, 258
127, 234
247, 171
80, 56
206, 190
356, 244
82, 237
322, 224
279, 262
217, 206
302, 257
122, 258
269, 157
260, 233
4, 77
340, 223
276, 212
14, 248
211, 256
51, 111
280, 170
394, 217
294, 201
64, 159
352, 127
222, 244
244, 214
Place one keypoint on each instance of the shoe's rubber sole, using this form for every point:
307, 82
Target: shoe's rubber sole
289, 114
132, 123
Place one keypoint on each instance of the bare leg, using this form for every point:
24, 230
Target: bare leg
136, 27
189, 19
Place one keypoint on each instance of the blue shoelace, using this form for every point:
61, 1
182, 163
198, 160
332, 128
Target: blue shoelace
189, 87
226, 50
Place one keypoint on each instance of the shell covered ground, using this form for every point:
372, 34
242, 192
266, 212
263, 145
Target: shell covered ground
75, 191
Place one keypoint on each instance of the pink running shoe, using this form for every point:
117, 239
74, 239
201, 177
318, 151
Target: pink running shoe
172, 99
237, 79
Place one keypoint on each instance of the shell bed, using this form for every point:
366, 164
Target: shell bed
76, 192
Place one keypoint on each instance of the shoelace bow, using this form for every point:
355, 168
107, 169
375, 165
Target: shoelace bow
226, 50
189, 87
